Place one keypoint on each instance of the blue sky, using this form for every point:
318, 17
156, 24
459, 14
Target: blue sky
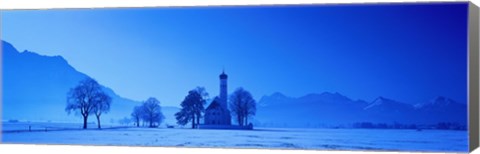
410, 53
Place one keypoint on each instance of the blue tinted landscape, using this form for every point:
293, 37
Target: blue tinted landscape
342, 77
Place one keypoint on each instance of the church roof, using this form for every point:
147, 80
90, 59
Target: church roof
213, 105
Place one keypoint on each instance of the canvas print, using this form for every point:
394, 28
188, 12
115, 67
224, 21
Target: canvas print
380, 77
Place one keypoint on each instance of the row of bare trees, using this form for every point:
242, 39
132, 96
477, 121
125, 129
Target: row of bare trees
150, 112
88, 98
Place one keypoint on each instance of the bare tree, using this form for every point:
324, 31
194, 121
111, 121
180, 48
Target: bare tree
137, 114
102, 103
242, 105
152, 112
83, 98
236, 107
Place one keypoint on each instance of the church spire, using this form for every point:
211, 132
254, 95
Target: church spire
223, 75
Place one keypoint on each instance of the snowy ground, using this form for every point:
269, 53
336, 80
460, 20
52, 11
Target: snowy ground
276, 138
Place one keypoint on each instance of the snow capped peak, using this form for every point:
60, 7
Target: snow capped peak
274, 98
326, 96
376, 102
379, 101
440, 100
278, 95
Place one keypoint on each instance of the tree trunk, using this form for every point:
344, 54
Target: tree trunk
150, 123
138, 122
198, 121
239, 118
85, 118
245, 115
193, 122
98, 121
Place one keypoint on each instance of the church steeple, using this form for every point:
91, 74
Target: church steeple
217, 113
223, 89
223, 75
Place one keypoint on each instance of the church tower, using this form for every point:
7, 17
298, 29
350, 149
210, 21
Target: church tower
223, 89
217, 113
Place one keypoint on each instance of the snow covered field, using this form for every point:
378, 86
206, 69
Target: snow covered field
276, 138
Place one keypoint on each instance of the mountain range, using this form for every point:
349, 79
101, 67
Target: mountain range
330, 109
35, 88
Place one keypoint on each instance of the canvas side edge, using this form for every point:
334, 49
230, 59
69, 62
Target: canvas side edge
1, 79
473, 81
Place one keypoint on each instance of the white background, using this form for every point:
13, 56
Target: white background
61, 149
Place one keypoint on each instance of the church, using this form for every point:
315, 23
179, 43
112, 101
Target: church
217, 113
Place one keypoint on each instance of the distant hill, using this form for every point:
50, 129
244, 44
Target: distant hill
334, 109
311, 110
35, 89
